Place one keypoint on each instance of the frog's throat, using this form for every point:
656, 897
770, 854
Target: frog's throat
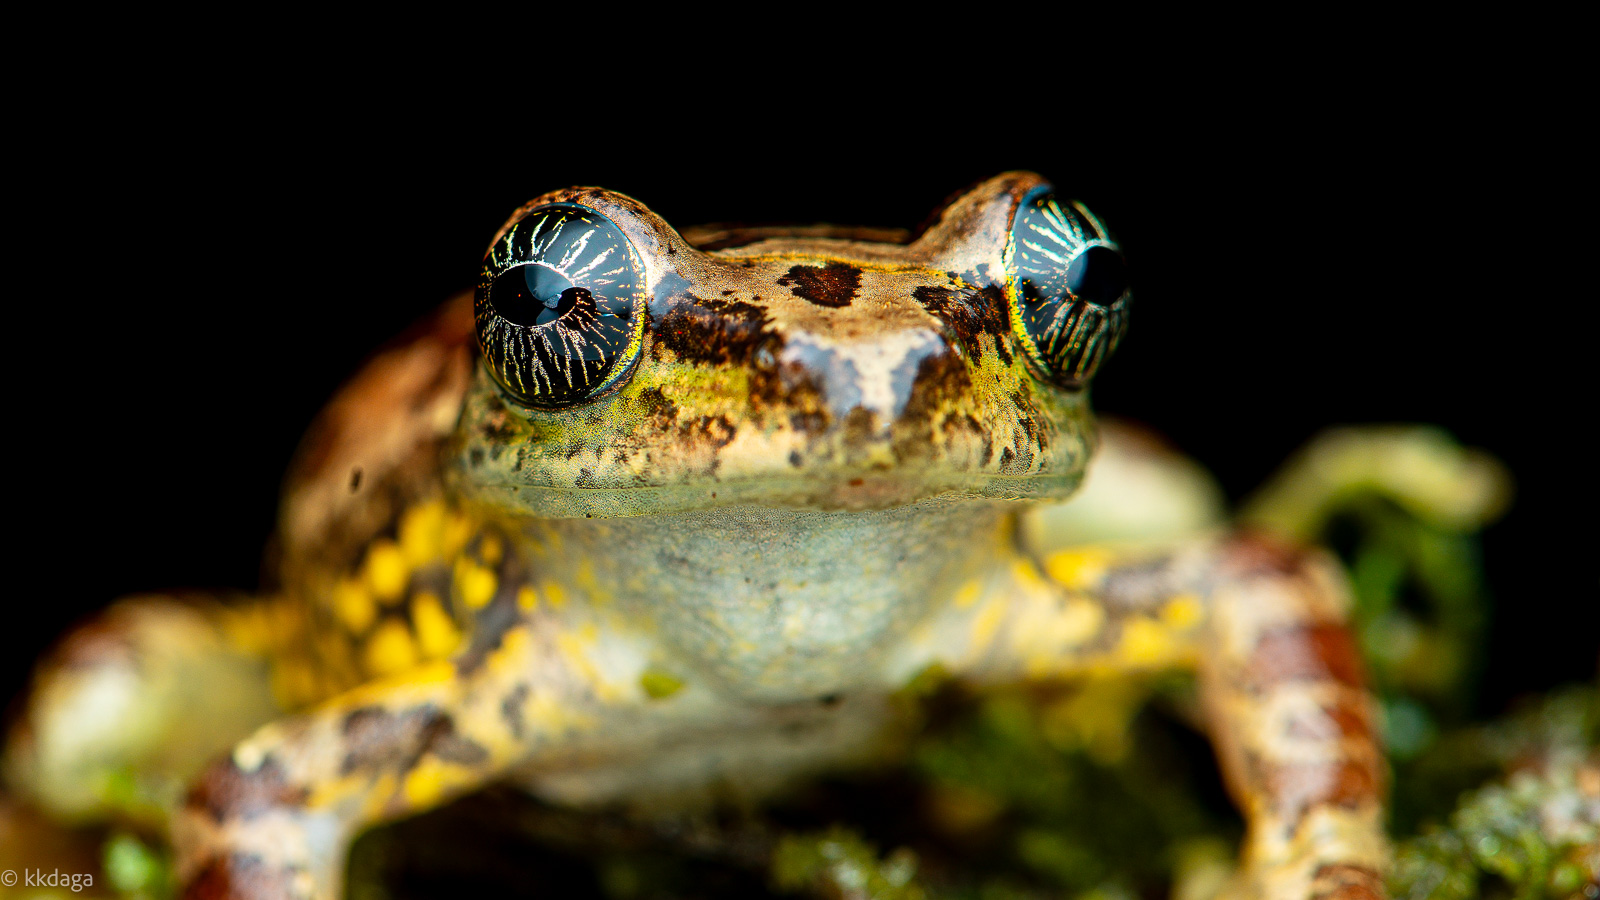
776, 604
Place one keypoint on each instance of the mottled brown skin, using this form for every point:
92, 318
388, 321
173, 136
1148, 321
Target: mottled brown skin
713, 556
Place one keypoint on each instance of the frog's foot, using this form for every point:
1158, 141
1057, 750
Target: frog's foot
1281, 688
130, 706
276, 817
1418, 467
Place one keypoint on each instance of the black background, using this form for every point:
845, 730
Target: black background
205, 249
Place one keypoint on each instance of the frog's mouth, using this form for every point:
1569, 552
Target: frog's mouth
858, 494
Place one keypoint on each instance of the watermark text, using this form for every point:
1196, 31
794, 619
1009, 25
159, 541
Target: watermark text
73, 881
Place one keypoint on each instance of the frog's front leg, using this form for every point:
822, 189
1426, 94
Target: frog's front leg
276, 818
1281, 684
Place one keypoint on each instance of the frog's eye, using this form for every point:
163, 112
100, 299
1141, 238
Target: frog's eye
559, 306
1069, 287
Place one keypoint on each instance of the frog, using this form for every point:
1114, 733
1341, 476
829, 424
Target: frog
654, 518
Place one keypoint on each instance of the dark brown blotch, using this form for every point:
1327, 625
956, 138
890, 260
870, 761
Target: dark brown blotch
940, 387
969, 314
833, 285
714, 431
227, 792
1322, 652
747, 314
698, 335
1017, 459
378, 739
375, 737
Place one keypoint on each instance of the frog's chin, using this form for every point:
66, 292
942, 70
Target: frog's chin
867, 491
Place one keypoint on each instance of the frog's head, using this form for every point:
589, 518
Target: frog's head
628, 369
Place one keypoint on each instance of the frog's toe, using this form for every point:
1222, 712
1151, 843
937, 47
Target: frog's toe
128, 707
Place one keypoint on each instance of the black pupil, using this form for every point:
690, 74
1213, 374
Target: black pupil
1098, 275
533, 295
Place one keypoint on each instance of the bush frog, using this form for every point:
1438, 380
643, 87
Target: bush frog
651, 515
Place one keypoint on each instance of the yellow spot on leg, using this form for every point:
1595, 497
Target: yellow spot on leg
353, 605
1147, 643
427, 784
475, 584
386, 572
390, 650
1182, 612
1079, 569
437, 633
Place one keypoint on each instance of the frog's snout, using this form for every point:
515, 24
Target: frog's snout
879, 375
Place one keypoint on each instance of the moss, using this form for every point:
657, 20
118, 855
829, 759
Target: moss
1533, 836
838, 863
